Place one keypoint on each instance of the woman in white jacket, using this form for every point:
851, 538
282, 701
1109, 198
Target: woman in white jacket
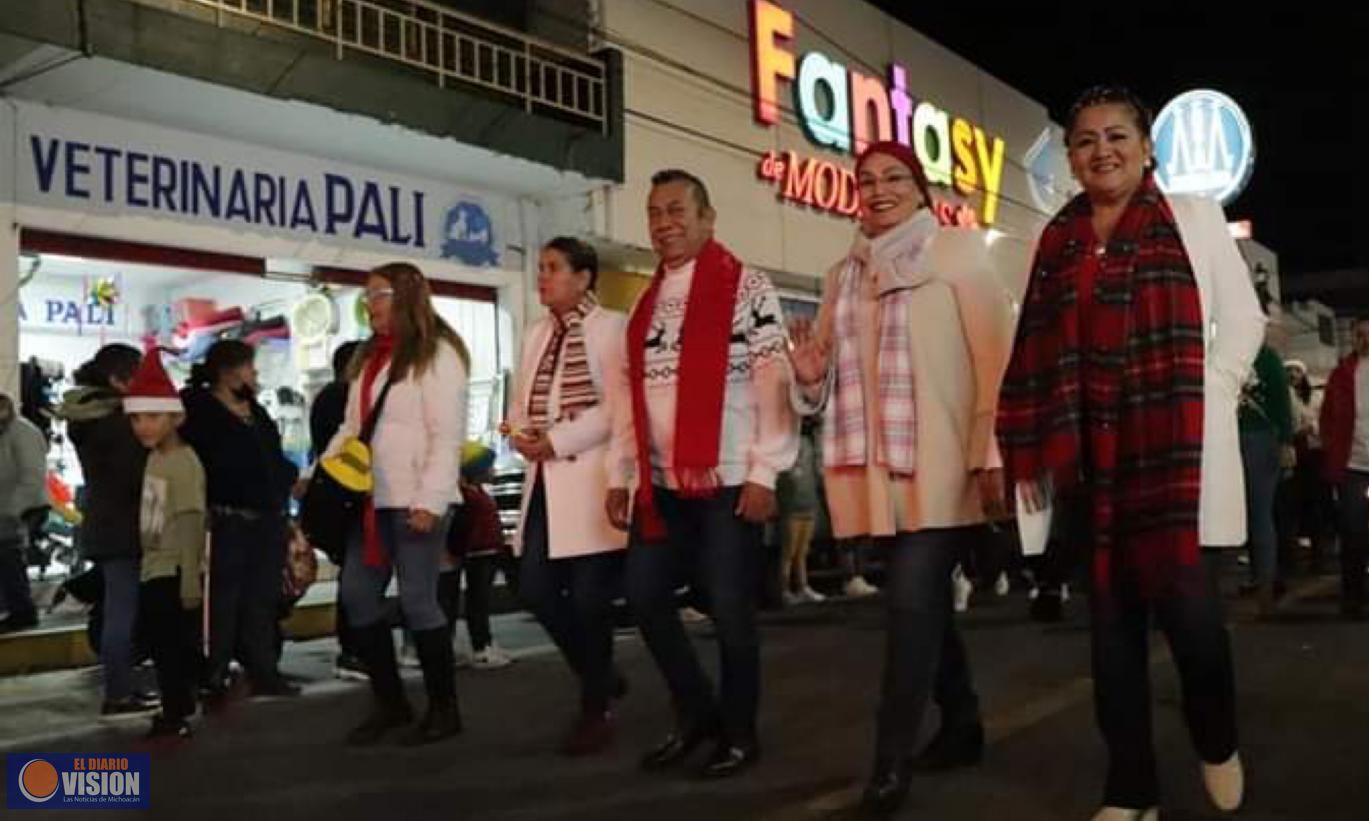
905, 360
415, 467
571, 556
1118, 410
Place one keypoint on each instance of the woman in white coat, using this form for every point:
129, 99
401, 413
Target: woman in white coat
1118, 411
905, 358
571, 557
412, 372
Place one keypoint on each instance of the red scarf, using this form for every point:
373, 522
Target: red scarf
373, 549
1119, 407
702, 383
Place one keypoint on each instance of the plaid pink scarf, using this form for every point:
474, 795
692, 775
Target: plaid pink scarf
844, 432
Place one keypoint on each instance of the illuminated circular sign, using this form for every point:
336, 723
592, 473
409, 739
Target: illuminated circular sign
1203, 145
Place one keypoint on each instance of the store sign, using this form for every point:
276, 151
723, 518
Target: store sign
1203, 145
826, 186
844, 110
77, 161
67, 308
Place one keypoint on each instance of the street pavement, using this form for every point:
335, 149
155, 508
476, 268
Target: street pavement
1303, 685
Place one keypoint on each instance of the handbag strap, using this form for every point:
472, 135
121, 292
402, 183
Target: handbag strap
369, 428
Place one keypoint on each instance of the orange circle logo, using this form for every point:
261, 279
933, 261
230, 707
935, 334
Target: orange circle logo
38, 780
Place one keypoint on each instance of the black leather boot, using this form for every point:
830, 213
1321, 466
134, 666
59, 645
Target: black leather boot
443, 719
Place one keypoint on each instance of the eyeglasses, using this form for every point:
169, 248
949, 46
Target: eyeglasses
379, 294
889, 180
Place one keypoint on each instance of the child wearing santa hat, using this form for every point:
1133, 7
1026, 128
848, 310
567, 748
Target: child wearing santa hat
172, 520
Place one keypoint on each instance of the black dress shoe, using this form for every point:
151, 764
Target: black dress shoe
678, 746
729, 760
951, 749
887, 790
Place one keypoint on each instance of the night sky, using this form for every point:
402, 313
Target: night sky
1301, 77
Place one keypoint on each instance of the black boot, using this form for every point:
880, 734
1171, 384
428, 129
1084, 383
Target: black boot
443, 719
390, 708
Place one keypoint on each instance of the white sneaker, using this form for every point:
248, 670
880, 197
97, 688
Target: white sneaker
962, 587
1225, 783
859, 588
1123, 814
491, 658
791, 599
811, 596
1002, 587
689, 615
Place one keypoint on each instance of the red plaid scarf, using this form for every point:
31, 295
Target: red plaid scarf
577, 383
373, 549
1125, 413
845, 437
701, 387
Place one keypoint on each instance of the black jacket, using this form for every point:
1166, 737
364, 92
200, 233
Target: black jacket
326, 416
244, 464
112, 461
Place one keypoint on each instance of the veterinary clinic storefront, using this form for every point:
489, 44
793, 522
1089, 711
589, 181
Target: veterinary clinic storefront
118, 231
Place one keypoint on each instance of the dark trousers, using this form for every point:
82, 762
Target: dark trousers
1260, 458
1190, 614
573, 600
721, 554
172, 636
247, 558
923, 653
1354, 541
119, 613
479, 572
14, 581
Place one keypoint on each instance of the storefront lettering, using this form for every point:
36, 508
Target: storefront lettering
845, 110
825, 186
360, 209
63, 312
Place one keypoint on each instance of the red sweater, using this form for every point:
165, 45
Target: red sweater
477, 530
1338, 419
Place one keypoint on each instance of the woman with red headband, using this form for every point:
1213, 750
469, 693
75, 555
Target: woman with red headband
904, 360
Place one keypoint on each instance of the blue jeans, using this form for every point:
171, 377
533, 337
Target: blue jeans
573, 600
246, 562
720, 554
1260, 457
122, 583
1354, 544
413, 556
923, 653
1191, 618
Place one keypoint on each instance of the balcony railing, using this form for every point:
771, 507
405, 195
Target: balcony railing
452, 47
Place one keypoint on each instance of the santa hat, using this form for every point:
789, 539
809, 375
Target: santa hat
151, 390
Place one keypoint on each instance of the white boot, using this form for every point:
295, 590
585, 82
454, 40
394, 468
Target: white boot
1121, 814
1225, 783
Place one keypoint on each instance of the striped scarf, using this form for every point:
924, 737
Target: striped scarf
1122, 415
844, 435
577, 383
